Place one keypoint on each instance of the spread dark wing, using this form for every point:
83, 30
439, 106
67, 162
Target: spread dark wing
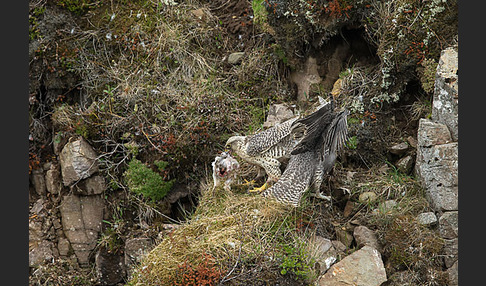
337, 134
314, 125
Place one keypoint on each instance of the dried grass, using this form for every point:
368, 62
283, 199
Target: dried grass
226, 225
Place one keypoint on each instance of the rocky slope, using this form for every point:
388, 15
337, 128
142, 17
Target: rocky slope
129, 90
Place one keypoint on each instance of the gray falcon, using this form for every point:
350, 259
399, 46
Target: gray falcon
313, 157
269, 147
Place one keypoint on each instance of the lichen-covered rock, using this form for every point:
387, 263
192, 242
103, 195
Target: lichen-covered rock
78, 161
431, 133
277, 113
135, 250
427, 219
81, 220
437, 164
362, 267
446, 98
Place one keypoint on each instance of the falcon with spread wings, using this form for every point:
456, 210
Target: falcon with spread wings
297, 135
313, 157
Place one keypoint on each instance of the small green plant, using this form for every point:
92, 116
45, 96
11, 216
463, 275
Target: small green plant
78, 7
296, 261
352, 142
143, 180
259, 12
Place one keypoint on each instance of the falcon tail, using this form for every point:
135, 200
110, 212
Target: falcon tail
295, 179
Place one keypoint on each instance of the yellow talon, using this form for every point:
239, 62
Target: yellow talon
247, 183
260, 189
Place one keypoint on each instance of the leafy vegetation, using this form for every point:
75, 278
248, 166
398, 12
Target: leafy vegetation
295, 261
140, 179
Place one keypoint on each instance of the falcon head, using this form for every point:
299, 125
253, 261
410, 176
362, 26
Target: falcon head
236, 143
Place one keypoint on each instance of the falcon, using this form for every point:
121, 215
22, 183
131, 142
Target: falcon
269, 147
313, 157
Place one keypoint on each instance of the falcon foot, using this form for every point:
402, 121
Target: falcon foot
321, 196
248, 183
260, 189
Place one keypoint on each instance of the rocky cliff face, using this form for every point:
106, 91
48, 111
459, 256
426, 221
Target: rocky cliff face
437, 156
167, 83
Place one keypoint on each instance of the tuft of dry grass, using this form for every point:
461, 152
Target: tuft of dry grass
238, 230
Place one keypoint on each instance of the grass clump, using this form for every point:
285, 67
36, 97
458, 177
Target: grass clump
232, 237
142, 180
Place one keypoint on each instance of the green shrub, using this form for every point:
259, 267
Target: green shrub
141, 179
296, 261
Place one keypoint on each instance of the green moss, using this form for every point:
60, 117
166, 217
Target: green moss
141, 179
77, 7
33, 24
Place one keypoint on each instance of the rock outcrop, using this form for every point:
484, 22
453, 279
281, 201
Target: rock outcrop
81, 220
437, 158
362, 267
78, 161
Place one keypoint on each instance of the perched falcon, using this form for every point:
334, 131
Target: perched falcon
269, 147
313, 157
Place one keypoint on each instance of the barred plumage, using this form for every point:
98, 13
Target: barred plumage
313, 158
267, 147
316, 136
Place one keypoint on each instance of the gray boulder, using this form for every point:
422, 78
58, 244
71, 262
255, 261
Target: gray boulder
451, 251
53, 180
41, 253
135, 250
362, 267
399, 149
78, 161
365, 236
427, 219
449, 225
453, 274
94, 185
405, 164
445, 102
81, 220
437, 164
324, 251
